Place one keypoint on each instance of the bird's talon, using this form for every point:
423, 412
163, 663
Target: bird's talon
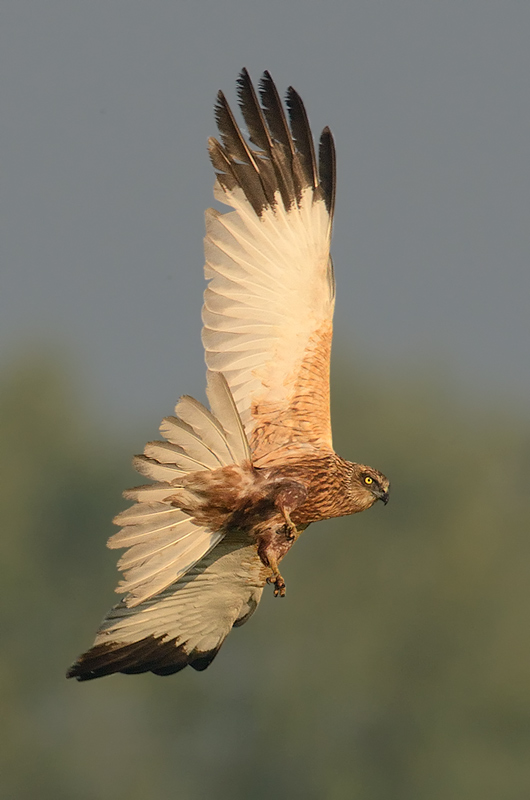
291, 531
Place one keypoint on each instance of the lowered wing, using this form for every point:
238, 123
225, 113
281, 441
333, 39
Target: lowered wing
185, 624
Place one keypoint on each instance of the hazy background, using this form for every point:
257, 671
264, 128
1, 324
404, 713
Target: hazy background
106, 108
398, 665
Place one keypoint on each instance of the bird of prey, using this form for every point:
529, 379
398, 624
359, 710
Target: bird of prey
234, 486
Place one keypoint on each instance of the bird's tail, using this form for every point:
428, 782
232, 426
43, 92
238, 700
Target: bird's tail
163, 541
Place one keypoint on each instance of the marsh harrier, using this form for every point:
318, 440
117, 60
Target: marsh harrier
235, 485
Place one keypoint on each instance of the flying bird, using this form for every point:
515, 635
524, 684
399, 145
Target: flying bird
234, 486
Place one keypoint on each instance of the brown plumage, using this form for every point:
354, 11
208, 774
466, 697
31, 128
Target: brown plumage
235, 486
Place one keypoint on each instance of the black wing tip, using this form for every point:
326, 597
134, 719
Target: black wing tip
266, 83
302, 136
221, 109
244, 78
327, 168
151, 654
295, 104
220, 99
285, 159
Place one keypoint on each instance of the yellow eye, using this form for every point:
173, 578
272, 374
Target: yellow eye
368, 480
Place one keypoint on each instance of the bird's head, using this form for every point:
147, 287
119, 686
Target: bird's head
368, 485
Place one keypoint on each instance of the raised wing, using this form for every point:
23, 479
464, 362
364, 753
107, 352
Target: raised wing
269, 304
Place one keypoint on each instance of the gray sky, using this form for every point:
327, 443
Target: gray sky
106, 108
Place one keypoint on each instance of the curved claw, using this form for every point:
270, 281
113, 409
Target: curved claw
279, 585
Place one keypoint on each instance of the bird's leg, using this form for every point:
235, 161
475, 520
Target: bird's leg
291, 495
275, 538
276, 578
291, 531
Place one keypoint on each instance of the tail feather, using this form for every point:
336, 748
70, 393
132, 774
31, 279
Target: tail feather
223, 406
149, 493
206, 426
164, 541
163, 473
166, 453
179, 433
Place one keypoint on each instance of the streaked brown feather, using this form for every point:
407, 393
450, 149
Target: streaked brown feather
282, 432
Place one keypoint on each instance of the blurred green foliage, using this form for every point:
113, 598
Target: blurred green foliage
397, 667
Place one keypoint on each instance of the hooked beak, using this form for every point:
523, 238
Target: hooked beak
383, 495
